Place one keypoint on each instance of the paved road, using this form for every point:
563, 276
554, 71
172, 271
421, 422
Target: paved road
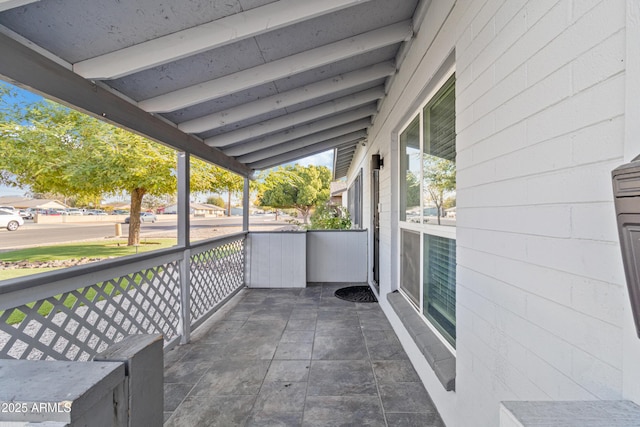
32, 234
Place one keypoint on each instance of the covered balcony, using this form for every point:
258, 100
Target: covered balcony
233, 355
247, 86
514, 311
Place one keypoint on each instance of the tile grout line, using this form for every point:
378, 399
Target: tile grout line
375, 377
313, 343
252, 412
199, 379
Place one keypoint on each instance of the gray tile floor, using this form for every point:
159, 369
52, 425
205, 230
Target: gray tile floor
299, 357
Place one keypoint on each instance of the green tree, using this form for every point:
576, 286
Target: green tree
413, 190
8, 104
330, 217
52, 149
207, 177
296, 187
439, 180
215, 201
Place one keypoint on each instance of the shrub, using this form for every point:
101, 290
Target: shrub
330, 217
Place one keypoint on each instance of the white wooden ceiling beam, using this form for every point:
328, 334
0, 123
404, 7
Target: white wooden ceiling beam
345, 164
10, 4
297, 118
345, 149
205, 37
347, 152
344, 157
31, 70
329, 134
279, 69
289, 98
300, 131
302, 152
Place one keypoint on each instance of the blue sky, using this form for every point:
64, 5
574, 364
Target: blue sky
322, 159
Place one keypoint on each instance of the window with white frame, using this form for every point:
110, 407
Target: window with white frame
354, 202
428, 211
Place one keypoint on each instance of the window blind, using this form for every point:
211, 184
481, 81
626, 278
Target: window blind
439, 292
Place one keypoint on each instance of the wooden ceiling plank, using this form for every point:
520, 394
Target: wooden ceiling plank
297, 118
292, 97
279, 69
201, 38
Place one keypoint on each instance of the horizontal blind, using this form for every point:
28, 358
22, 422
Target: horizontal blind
440, 124
440, 283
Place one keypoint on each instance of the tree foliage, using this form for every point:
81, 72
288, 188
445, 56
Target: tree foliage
215, 201
297, 187
206, 177
413, 190
52, 149
330, 217
439, 180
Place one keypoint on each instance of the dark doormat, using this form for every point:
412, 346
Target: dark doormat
356, 294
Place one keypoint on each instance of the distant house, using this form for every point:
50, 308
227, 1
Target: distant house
205, 209
19, 202
336, 189
199, 209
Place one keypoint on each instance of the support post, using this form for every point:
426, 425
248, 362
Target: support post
183, 241
245, 206
183, 199
185, 297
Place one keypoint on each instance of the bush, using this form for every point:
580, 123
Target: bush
330, 217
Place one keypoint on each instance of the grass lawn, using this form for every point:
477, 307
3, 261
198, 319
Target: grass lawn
98, 249
101, 249
91, 295
10, 274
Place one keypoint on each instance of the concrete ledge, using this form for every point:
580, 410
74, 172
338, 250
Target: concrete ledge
143, 360
592, 413
441, 360
73, 393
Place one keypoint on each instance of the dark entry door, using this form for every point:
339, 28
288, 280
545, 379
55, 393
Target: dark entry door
375, 209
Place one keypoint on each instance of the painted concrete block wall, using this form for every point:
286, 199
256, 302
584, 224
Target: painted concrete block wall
337, 256
276, 260
542, 311
540, 102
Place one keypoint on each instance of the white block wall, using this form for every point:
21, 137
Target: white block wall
276, 260
542, 309
336, 256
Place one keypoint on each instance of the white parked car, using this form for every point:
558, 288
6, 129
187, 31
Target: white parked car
10, 220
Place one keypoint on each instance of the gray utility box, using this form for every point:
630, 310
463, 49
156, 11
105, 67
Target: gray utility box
626, 191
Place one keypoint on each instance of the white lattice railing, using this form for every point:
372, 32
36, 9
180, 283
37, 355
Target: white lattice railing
216, 273
74, 314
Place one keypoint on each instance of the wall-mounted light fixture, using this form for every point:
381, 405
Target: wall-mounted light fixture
377, 162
